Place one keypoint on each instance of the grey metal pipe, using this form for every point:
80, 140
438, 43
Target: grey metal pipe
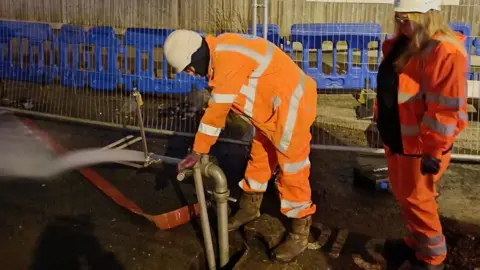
457, 157
221, 195
207, 236
111, 125
140, 122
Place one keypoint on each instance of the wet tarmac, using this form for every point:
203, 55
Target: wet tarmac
66, 223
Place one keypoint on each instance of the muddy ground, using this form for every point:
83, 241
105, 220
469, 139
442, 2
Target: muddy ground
65, 223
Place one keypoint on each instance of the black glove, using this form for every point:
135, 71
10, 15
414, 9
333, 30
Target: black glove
429, 165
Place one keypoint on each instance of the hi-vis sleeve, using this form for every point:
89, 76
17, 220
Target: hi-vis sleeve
226, 84
445, 87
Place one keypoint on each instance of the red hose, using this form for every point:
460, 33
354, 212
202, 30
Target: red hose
164, 221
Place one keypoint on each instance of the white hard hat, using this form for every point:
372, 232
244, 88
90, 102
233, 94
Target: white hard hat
179, 47
421, 6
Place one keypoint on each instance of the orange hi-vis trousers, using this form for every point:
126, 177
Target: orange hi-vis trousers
416, 194
293, 181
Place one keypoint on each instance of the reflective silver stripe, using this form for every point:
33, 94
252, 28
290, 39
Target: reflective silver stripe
249, 93
434, 251
463, 116
428, 241
263, 62
253, 80
254, 185
209, 130
297, 207
223, 98
442, 129
449, 102
240, 49
403, 97
276, 102
409, 130
295, 167
292, 114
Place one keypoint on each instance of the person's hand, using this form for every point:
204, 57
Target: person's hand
429, 165
188, 162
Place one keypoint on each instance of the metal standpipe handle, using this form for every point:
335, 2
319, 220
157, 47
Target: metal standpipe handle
207, 235
221, 194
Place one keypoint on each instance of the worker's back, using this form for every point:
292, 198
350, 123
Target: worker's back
271, 75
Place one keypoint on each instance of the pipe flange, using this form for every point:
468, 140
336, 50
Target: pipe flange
221, 197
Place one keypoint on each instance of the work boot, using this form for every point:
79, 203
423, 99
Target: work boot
296, 241
249, 210
421, 265
396, 252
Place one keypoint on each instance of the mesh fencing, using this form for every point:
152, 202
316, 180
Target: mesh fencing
338, 42
81, 59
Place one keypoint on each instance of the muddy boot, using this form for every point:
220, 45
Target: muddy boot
420, 265
249, 210
296, 241
396, 252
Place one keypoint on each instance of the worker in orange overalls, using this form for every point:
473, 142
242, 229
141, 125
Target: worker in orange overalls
258, 81
420, 108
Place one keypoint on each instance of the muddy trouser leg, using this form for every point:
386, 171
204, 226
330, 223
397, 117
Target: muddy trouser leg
260, 168
416, 195
295, 197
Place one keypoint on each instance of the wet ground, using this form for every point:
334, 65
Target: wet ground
66, 223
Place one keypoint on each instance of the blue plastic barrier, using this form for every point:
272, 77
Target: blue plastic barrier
273, 32
466, 30
357, 36
37, 34
7, 35
103, 78
476, 43
74, 37
145, 40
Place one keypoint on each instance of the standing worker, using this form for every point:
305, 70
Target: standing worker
258, 81
420, 109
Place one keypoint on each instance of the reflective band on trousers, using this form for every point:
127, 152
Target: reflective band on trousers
254, 185
295, 167
431, 246
209, 130
442, 129
297, 207
263, 62
428, 241
434, 251
292, 114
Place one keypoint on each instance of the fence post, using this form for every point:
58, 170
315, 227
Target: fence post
254, 17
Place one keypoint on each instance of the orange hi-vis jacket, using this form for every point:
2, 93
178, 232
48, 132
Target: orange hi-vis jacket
432, 96
258, 81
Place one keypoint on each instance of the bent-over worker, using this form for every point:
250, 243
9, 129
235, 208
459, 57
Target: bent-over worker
258, 81
420, 108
